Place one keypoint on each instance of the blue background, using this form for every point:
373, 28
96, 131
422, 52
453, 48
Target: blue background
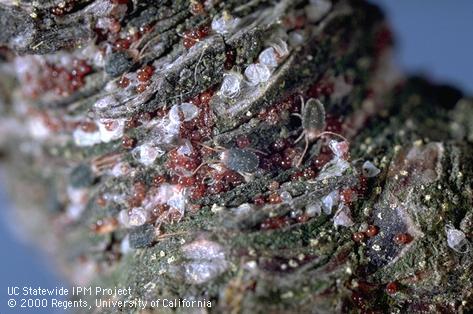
21, 264
432, 37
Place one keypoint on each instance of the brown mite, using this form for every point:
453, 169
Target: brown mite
313, 124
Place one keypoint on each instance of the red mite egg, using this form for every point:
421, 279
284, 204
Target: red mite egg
194, 208
203, 31
146, 28
232, 178
145, 117
275, 160
358, 300
205, 97
286, 162
365, 287
57, 11
230, 59
243, 141
321, 160
186, 181
279, 145
308, 174
158, 180
159, 210
297, 176
80, 68
189, 42
110, 125
274, 223
372, 230
402, 238
334, 124
191, 37
392, 288
131, 123
358, 237
274, 198
133, 37
105, 225
195, 100
272, 117
115, 26
259, 200
149, 69
198, 191
124, 82
63, 8
216, 188
122, 44
362, 187
302, 218
140, 190
174, 215
196, 8
347, 196
273, 185
134, 202
141, 88
128, 142
88, 127
174, 179
144, 74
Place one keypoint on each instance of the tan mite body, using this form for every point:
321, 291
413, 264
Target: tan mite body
313, 124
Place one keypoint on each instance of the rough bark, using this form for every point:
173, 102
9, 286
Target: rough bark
188, 224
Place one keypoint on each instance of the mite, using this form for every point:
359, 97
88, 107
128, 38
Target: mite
313, 124
240, 160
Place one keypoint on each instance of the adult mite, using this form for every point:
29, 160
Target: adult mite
313, 124
241, 160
